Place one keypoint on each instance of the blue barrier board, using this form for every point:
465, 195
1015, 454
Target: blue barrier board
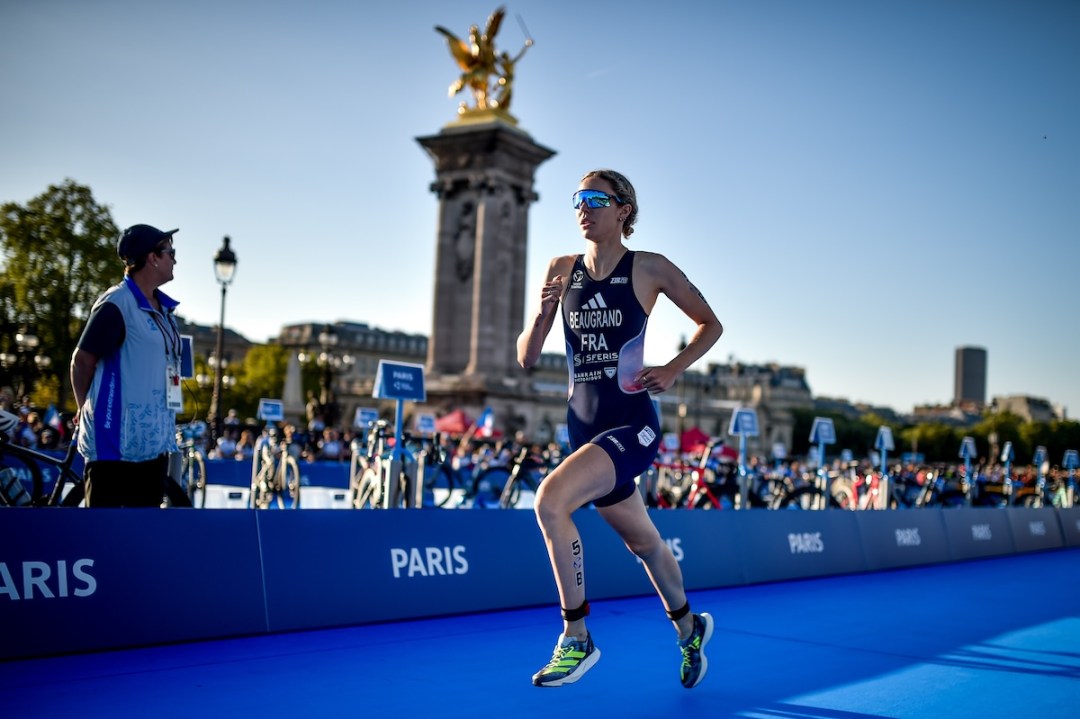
792, 545
894, 539
237, 473
977, 531
90, 579
1035, 529
1070, 525
331, 568
78, 579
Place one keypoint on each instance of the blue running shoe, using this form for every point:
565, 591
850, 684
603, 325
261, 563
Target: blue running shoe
694, 663
572, 658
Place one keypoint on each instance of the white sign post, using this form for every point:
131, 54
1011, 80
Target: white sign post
743, 423
1071, 461
884, 444
967, 452
1006, 476
822, 432
400, 381
1040, 482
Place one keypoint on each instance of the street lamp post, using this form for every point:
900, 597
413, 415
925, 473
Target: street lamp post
328, 340
329, 361
224, 269
26, 363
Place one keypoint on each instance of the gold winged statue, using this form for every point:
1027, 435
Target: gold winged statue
479, 64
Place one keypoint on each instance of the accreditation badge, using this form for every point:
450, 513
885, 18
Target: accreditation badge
173, 395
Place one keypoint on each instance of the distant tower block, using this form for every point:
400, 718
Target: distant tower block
484, 181
970, 380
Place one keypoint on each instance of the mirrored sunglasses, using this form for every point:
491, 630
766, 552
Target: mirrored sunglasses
594, 198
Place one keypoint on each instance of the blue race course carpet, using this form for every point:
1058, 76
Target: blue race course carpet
989, 638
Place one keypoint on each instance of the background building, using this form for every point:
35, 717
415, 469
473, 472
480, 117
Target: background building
1030, 409
970, 378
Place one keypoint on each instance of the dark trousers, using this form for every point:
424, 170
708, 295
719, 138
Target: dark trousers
112, 483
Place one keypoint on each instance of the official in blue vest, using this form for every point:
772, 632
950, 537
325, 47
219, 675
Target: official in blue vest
125, 373
606, 295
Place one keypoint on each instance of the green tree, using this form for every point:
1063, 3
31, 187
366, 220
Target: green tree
938, 442
261, 374
57, 254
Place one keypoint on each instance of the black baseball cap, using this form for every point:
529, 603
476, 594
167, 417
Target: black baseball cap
138, 241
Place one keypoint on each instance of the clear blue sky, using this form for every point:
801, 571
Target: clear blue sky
858, 187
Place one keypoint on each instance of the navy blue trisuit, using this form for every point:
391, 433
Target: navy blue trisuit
604, 326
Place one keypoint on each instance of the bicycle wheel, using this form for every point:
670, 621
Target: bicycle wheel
522, 488
439, 485
844, 498
367, 494
290, 485
489, 486
74, 496
20, 482
195, 479
262, 486
799, 498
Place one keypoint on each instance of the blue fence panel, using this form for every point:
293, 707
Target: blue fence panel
707, 545
237, 473
327, 568
78, 579
903, 538
797, 544
1070, 525
978, 532
1035, 529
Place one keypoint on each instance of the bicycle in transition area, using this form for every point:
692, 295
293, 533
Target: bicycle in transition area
527, 471
275, 474
376, 479
191, 474
23, 479
447, 476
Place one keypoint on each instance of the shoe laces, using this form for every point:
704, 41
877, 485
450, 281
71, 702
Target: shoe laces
690, 647
561, 650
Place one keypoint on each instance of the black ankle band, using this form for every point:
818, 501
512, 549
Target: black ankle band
573, 615
679, 613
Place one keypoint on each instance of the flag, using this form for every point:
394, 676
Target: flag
52, 417
486, 423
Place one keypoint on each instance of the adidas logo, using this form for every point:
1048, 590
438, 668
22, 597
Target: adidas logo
596, 303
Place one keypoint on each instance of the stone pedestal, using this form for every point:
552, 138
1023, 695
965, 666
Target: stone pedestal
484, 182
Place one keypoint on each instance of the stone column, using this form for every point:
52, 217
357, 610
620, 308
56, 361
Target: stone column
484, 182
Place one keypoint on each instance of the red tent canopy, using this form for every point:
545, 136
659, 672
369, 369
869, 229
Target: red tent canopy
693, 440
456, 422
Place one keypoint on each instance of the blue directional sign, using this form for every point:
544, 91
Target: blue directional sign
187, 357
967, 448
364, 417
1007, 454
271, 410
744, 423
884, 441
1071, 459
399, 380
823, 431
425, 423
